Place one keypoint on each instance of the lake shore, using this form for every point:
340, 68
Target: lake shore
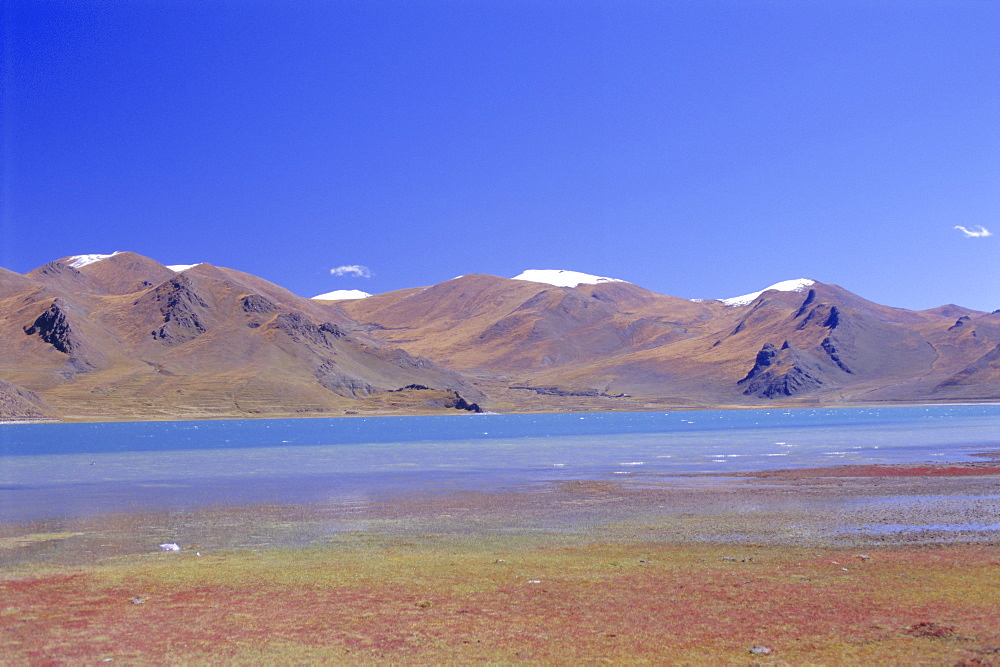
833, 565
578, 405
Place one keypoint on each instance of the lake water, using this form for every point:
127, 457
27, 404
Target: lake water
77, 470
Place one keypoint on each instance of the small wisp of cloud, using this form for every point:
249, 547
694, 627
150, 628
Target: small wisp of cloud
976, 232
356, 270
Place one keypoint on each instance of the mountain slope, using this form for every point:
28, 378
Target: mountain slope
487, 324
803, 339
126, 336
122, 336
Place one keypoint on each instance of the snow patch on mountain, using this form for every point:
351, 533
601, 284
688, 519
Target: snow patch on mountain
80, 261
562, 278
340, 294
177, 268
796, 285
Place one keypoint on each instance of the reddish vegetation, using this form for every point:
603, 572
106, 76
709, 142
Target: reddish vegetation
674, 581
876, 470
461, 601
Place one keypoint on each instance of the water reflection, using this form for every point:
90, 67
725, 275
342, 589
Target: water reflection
83, 469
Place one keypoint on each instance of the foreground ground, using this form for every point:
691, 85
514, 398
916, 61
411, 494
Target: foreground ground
846, 565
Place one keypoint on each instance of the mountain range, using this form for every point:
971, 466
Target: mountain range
122, 336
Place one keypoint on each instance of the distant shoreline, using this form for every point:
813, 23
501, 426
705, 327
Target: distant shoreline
74, 419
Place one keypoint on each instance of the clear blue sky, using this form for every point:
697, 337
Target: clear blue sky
696, 148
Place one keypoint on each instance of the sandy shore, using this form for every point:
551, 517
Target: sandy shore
855, 564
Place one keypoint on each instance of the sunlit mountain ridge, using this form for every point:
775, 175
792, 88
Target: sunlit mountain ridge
123, 336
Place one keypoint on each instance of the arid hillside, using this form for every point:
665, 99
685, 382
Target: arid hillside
123, 336
126, 337
615, 342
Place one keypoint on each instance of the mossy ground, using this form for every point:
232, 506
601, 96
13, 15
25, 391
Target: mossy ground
456, 579
370, 598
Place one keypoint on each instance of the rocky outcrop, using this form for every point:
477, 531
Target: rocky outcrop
301, 330
450, 399
184, 312
255, 303
53, 327
781, 373
763, 361
459, 403
960, 322
806, 303
830, 348
822, 315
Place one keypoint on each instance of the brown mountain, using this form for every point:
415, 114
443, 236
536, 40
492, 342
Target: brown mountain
126, 337
593, 343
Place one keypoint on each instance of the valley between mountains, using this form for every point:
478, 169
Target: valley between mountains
122, 336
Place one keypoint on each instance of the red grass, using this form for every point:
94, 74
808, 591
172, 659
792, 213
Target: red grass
592, 602
973, 469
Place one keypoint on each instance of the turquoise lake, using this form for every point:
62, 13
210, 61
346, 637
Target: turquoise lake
52, 471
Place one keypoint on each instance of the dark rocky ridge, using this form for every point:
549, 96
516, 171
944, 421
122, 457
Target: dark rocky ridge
53, 328
183, 310
784, 372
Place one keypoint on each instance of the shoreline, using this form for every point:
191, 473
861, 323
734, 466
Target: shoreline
670, 569
355, 413
822, 503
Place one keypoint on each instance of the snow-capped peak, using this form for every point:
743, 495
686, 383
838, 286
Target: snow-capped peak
561, 278
177, 268
340, 294
796, 285
80, 261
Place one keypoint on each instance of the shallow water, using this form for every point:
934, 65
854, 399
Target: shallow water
889, 528
78, 470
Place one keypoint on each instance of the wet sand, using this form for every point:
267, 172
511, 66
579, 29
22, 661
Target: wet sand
853, 564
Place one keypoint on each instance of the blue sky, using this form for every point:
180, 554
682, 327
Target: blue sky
696, 148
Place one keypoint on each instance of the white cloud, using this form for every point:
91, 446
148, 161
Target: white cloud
356, 270
976, 232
